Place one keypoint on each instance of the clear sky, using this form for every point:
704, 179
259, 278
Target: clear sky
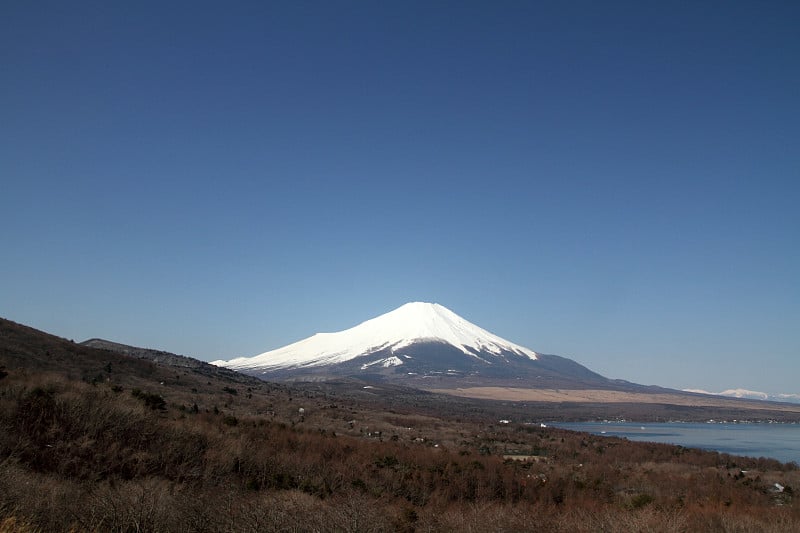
615, 182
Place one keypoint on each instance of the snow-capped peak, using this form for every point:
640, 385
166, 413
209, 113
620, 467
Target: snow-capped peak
406, 325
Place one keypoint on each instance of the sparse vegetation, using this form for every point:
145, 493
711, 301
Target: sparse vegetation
151, 400
78, 455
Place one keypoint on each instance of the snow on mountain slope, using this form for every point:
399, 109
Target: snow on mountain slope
411, 323
751, 395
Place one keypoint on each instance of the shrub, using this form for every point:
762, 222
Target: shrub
640, 500
151, 400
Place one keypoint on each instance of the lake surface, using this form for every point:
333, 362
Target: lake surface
778, 441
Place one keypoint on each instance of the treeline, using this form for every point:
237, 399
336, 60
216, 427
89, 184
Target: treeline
99, 457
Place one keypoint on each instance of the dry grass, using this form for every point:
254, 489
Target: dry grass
606, 396
82, 454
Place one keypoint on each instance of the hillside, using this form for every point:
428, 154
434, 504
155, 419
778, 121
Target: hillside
95, 440
458, 395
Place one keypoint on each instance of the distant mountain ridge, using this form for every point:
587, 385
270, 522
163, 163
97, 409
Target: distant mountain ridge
419, 343
751, 395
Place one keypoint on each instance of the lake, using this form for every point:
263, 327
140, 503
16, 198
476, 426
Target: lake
778, 441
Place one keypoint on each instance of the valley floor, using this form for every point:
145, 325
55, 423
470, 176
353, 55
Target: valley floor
607, 396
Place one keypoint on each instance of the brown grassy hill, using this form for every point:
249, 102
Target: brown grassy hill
91, 440
27, 348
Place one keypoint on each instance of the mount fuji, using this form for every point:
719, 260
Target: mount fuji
418, 343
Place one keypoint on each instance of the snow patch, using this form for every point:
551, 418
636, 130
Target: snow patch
385, 363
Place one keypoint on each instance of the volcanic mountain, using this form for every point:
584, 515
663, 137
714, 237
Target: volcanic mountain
420, 343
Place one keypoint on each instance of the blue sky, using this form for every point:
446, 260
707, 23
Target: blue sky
616, 182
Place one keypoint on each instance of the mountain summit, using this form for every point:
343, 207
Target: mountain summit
394, 332
417, 341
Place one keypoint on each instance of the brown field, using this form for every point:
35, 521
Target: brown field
606, 396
